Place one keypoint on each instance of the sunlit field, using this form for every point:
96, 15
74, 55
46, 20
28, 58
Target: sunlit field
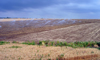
46, 50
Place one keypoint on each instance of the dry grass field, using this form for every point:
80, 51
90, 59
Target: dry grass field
33, 52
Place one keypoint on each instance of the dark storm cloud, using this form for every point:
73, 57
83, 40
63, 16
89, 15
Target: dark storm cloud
6, 5
80, 10
21, 4
50, 8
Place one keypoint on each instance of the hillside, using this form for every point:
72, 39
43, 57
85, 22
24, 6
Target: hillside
83, 32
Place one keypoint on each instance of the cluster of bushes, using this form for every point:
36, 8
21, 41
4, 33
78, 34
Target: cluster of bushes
3, 42
72, 44
52, 43
29, 43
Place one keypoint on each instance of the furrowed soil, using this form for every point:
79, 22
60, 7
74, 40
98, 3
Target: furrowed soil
83, 32
15, 28
86, 30
33, 52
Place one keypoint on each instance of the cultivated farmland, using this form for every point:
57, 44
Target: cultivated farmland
62, 30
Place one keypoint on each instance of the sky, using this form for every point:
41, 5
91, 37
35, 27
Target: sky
66, 9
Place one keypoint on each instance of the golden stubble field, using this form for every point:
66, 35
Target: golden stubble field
33, 52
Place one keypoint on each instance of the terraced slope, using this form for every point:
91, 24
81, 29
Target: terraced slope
83, 32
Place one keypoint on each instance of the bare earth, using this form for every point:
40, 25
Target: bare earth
27, 29
83, 32
30, 52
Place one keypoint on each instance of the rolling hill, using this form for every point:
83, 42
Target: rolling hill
83, 32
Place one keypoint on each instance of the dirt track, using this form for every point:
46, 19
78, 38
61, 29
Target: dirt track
83, 32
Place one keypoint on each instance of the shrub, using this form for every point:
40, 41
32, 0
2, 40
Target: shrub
90, 44
98, 43
3, 42
51, 43
46, 42
65, 43
85, 44
69, 44
14, 42
29, 43
57, 43
40, 43
60, 43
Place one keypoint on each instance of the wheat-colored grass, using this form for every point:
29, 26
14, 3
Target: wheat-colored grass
29, 52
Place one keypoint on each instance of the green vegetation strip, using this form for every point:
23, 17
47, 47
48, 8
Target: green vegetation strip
86, 44
3, 42
29, 43
71, 44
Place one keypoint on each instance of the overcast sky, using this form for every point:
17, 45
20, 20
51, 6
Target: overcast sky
67, 9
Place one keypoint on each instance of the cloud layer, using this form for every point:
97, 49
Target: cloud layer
78, 9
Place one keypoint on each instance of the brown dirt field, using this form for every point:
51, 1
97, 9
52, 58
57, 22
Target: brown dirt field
30, 52
8, 31
83, 32
28, 30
